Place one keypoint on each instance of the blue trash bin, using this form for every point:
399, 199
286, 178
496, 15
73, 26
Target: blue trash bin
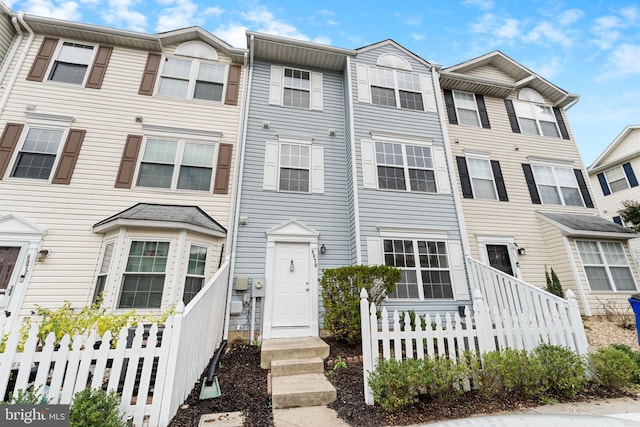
635, 305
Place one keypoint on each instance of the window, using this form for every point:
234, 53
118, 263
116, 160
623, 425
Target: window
194, 280
405, 167
481, 177
38, 153
176, 164
617, 179
396, 88
71, 63
606, 266
103, 272
144, 275
557, 185
294, 168
536, 119
466, 108
191, 79
297, 86
425, 268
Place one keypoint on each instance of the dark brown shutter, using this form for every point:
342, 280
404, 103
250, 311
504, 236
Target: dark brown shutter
233, 85
69, 157
465, 180
128, 161
451, 107
149, 75
99, 67
563, 128
43, 57
531, 184
511, 113
223, 169
482, 110
8, 142
583, 188
497, 176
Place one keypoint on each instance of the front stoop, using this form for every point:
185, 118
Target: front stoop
297, 372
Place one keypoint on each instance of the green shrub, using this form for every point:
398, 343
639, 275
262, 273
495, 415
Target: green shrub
395, 385
341, 296
553, 283
512, 371
30, 396
635, 355
563, 371
445, 378
95, 408
613, 368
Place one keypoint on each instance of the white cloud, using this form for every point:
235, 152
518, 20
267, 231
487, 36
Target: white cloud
502, 28
180, 14
122, 13
609, 29
67, 10
234, 34
482, 4
570, 16
322, 40
267, 23
546, 31
417, 37
624, 60
548, 68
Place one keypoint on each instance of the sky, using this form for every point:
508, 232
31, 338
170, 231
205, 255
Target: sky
591, 48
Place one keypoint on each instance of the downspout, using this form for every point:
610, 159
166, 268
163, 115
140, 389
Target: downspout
232, 239
14, 47
354, 167
18, 67
464, 237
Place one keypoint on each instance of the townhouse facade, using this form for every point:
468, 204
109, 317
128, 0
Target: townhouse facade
526, 198
614, 178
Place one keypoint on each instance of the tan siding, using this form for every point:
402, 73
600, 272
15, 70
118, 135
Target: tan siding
630, 145
490, 72
68, 212
7, 33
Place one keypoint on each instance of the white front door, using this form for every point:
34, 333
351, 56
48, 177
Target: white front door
292, 297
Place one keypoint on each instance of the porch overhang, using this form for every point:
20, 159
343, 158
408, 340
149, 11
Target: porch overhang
587, 226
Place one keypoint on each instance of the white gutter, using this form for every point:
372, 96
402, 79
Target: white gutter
464, 237
354, 168
14, 48
18, 67
232, 238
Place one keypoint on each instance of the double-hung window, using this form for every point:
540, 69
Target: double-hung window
466, 108
103, 272
557, 185
425, 268
38, 153
617, 179
191, 79
482, 178
606, 266
176, 164
297, 88
295, 162
144, 276
396, 88
405, 167
71, 63
536, 119
194, 280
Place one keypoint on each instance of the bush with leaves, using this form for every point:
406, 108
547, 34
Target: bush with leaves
553, 283
95, 408
341, 296
396, 385
29, 396
630, 214
635, 355
512, 371
613, 368
445, 378
563, 371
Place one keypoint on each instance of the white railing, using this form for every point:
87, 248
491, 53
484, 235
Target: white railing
153, 370
479, 333
506, 294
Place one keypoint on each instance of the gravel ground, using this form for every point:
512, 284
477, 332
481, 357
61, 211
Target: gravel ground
603, 332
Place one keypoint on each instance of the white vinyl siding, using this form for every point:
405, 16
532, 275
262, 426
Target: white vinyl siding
71, 63
293, 167
606, 266
296, 88
191, 79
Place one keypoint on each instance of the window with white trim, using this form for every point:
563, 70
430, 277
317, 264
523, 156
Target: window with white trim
103, 272
176, 164
71, 63
405, 167
192, 79
536, 119
297, 88
294, 166
557, 185
396, 88
482, 179
606, 266
295, 162
145, 274
38, 152
194, 280
466, 108
617, 179
425, 268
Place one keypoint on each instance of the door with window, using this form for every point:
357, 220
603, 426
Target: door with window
499, 257
8, 260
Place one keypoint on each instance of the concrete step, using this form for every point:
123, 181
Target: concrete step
292, 348
301, 390
312, 365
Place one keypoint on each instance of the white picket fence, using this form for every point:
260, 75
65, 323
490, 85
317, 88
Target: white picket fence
153, 369
451, 337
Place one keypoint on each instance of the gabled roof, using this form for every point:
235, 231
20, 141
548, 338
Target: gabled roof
163, 216
198, 33
590, 226
602, 163
390, 42
457, 77
297, 52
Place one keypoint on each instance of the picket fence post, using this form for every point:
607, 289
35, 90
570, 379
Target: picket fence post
172, 363
484, 325
367, 351
580, 336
